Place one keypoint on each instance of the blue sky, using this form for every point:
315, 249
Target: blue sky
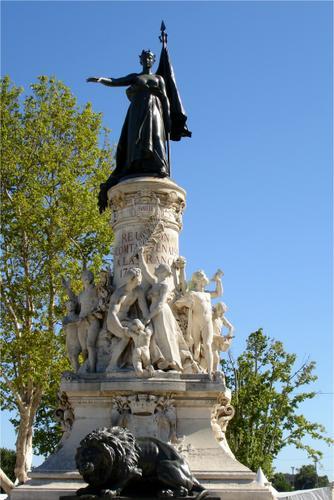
256, 82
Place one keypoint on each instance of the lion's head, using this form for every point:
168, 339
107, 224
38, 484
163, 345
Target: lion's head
107, 456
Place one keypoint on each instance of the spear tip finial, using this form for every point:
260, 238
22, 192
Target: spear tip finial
163, 36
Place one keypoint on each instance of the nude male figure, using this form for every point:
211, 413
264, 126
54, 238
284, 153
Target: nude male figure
200, 326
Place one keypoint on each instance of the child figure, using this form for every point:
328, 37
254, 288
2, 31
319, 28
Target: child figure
141, 358
220, 343
76, 342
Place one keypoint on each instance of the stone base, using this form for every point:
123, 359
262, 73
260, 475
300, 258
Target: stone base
48, 488
193, 397
105, 497
234, 489
92, 399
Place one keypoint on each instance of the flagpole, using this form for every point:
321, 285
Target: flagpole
163, 40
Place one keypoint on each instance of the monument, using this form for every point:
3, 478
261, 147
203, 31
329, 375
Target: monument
143, 342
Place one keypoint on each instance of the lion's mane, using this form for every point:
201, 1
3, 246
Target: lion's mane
107, 456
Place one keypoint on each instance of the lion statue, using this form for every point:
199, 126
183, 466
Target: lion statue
113, 462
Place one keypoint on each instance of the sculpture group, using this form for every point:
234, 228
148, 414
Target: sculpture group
152, 326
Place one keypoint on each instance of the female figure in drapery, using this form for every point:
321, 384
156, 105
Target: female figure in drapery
141, 148
166, 330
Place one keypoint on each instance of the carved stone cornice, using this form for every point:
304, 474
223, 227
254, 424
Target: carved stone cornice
159, 198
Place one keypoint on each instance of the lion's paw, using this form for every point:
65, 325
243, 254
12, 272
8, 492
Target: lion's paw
166, 494
88, 490
109, 493
181, 492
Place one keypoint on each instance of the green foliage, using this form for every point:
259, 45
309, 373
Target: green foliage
7, 461
267, 391
307, 478
47, 430
280, 482
52, 166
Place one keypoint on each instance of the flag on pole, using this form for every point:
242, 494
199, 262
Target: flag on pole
178, 116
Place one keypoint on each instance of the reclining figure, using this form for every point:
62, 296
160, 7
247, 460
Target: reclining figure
113, 462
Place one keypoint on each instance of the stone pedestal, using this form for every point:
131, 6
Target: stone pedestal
105, 497
184, 417
169, 406
146, 211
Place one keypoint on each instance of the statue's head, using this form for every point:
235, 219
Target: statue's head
219, 309
147, 58
87, 277
133, 276
137, 326
93, 461
199, 278
106, 456
162, 271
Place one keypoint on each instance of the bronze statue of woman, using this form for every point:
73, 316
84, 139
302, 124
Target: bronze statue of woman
141, 148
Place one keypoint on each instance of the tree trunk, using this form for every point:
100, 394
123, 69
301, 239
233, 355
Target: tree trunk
29, 450
36, 401
21, 446
24, 436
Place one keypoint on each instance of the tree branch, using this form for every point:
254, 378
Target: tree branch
13, 389
17, 325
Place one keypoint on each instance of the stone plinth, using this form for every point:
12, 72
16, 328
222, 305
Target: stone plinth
105, 497
96, 399
146, 211
169, 406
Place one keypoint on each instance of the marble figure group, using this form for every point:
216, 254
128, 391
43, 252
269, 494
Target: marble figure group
152, 326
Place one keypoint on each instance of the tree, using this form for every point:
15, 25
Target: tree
266, 395
47, 431
280, 482
307, 478
52, 165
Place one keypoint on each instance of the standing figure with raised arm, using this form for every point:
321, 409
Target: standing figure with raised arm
166, 329
119, 316
141, 148
221, 343
200, 326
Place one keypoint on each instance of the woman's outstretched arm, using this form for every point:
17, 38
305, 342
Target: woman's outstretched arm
113, 82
